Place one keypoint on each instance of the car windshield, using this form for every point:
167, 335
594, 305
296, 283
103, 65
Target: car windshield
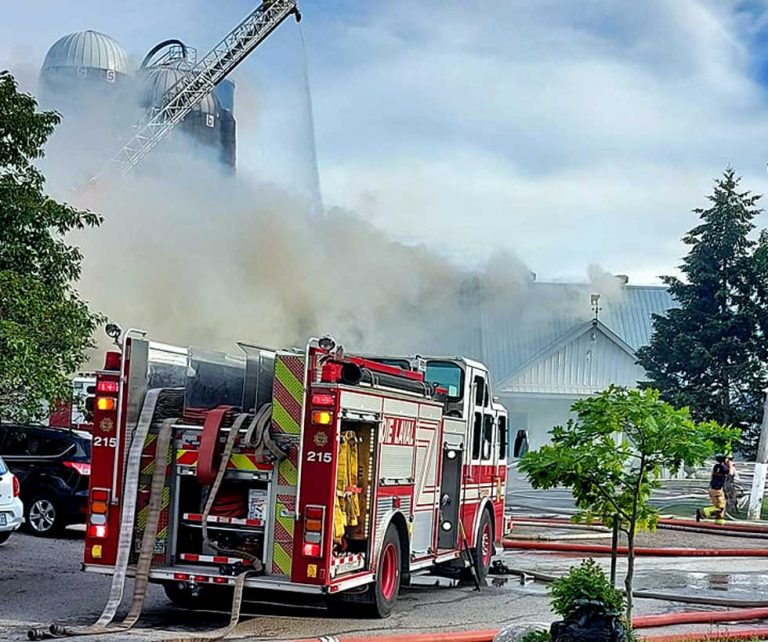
3, 467
448, 375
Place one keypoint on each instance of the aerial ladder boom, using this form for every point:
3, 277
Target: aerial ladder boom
195, 85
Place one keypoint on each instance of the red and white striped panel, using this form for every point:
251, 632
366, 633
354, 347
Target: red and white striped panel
217, 519
347, 563
211, 559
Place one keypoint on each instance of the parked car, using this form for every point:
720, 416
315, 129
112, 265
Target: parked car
11, 508
53, 466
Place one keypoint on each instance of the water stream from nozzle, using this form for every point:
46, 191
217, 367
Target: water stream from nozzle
318, 209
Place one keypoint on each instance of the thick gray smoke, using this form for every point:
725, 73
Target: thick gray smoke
202, 259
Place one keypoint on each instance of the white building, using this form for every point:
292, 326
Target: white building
552, 349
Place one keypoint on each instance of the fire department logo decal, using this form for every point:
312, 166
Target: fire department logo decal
106, 425
321, 438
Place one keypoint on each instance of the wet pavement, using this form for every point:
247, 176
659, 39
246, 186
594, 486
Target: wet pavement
40, 581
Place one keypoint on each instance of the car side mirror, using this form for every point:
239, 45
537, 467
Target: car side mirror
521, 444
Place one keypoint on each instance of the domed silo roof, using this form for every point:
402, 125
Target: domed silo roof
159, 79
87, 52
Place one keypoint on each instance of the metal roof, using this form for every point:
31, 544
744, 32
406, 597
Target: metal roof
87, 49
515, 327
582, 362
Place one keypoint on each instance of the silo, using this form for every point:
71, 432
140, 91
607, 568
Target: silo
86, 77
162, 68
225, 92
203, 124
84, 61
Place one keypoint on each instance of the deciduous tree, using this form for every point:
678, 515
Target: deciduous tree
45, 327
613, 454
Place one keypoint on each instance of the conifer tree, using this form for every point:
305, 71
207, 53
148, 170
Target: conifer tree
711, 353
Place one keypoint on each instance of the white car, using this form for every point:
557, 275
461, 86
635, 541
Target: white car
11, 508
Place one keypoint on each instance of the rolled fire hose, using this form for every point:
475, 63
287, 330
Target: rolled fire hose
208, 458
258, 421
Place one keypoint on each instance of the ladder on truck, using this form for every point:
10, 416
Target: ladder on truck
194, 86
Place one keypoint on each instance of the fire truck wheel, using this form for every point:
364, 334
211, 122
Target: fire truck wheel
378, 600
42, 517
482, 551
209, 597
383, 593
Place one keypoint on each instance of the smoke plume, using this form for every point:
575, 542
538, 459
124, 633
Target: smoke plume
196, 257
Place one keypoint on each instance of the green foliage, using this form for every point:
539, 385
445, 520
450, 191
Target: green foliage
587, 581
45, 327
710, 354
613, 455
536, 636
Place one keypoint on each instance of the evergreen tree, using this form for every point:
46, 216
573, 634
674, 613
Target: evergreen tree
710, 353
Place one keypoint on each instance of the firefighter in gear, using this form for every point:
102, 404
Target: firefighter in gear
720, 472
346, 509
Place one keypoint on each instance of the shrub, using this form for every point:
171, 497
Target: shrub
587, 581
536, 636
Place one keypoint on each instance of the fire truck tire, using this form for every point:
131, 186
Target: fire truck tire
382, 594
378, 600
182, 595
42, 517
482, 551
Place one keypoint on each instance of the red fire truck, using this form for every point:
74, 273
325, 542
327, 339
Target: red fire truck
310, 471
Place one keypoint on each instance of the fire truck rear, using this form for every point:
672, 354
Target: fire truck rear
307, 471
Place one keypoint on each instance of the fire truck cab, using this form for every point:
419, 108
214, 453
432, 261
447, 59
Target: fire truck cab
367, 470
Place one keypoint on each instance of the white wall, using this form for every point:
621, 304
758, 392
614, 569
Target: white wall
536, 415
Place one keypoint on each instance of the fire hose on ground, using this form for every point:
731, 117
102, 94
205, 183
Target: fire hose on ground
640, 551
731, 528
487, 635
499, 568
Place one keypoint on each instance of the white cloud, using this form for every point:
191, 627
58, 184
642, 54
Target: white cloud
569, 132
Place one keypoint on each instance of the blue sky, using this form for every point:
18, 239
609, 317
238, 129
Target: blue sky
570, 133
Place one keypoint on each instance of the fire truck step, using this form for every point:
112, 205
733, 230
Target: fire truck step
257, 524
212, 559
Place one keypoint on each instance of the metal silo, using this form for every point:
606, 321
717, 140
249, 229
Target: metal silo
86, 77
225, 92
208, 125
84, 60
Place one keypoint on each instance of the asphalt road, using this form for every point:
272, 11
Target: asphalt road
40, 582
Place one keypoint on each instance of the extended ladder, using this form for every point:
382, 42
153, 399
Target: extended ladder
194, 86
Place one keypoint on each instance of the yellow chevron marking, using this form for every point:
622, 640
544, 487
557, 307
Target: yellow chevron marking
286, 423
242, 462
282, 558
289, 472
294, 387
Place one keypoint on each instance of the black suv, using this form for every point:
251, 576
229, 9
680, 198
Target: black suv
53, 466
